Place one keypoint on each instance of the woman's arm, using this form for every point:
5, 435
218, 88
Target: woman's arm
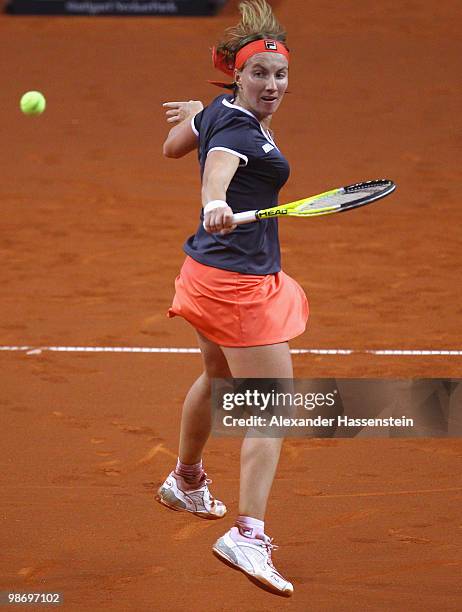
181, 139
219, 170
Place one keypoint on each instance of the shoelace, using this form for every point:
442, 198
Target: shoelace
212, 499
268, 544
206, 481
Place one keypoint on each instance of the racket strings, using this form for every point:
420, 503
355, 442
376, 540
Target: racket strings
337, 200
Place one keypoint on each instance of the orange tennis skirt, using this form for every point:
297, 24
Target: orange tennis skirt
233, 309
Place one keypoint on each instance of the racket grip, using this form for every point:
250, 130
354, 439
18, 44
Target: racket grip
245, 217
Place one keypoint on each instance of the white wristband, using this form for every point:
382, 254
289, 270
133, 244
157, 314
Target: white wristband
214, 204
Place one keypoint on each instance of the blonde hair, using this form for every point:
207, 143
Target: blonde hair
257, 22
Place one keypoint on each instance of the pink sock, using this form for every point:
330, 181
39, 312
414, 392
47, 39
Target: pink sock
191, 473
249, 527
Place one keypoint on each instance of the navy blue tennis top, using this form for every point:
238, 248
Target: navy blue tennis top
252, 248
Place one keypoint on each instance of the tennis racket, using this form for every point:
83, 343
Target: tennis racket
327, 203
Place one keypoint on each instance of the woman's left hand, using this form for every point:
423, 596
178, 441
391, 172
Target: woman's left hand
179, 111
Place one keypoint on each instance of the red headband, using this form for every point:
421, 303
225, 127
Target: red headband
257, 46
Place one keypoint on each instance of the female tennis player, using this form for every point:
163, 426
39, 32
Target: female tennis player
231, 287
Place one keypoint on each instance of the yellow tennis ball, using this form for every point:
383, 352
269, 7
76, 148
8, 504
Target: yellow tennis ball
33, 103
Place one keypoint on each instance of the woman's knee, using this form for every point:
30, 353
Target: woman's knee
215, 363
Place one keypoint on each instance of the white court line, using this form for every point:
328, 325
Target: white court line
31, 350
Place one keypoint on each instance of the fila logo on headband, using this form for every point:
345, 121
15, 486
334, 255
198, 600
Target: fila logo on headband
271, 45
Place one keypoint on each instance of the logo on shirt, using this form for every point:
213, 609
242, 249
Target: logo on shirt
267, 147
271, 45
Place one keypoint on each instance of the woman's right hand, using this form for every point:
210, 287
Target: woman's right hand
219, 220
179, 111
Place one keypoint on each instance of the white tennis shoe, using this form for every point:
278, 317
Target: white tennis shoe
254, 559
175, 494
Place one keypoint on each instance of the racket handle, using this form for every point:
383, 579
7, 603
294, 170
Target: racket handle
245, 217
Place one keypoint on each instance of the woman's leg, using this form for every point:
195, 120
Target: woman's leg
259, 456
186, 488
196, 417
246, 546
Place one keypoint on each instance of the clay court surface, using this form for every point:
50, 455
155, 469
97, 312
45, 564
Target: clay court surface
92, 223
